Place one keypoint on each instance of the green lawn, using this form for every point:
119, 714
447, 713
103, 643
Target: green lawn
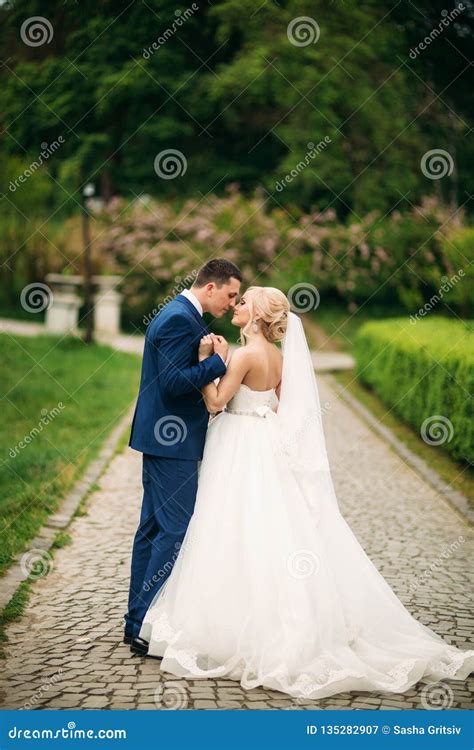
60, 399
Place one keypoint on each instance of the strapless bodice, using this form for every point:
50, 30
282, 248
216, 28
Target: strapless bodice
253, 403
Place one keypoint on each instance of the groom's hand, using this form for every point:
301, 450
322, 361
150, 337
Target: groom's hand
221, 346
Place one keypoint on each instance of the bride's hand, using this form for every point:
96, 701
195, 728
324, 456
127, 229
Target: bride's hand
206, 347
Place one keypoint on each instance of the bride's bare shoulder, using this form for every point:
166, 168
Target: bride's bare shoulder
244, 356
249, 357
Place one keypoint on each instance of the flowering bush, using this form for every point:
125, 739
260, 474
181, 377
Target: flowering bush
158, 250
396, 259
400, 258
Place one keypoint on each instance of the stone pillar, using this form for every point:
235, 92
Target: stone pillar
107, 302
62, 316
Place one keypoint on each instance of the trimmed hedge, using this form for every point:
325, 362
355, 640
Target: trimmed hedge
423, 371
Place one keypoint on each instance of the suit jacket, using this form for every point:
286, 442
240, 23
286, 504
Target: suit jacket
170, 416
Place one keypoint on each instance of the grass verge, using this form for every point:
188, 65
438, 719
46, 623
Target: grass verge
61, 399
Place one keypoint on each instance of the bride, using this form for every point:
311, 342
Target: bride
271, 587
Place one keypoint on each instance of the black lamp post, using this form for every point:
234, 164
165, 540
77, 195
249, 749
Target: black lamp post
87, 192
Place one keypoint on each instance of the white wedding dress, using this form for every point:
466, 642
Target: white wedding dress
271, 587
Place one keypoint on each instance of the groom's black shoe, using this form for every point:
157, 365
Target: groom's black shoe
127, 637
139, 646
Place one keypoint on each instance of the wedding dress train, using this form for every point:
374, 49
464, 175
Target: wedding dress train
271, 587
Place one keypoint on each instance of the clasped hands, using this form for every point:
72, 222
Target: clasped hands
213, 344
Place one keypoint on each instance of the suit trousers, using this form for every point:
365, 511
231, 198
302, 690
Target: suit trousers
169, 495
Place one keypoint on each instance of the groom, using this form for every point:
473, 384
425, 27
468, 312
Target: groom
169, 428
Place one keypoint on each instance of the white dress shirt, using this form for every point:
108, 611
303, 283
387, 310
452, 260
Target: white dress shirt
193, 299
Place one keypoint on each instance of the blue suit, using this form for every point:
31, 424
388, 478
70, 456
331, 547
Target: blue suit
169, 428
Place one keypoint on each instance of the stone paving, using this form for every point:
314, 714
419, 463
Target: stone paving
67, 651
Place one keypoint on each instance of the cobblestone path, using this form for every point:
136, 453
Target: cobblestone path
67, 650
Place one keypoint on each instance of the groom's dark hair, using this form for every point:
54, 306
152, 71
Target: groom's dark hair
218, 270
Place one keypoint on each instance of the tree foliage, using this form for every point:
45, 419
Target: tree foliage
227, 87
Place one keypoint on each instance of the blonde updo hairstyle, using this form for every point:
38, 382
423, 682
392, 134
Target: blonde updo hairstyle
273, 307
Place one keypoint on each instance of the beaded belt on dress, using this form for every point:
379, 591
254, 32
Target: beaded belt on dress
259, 411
